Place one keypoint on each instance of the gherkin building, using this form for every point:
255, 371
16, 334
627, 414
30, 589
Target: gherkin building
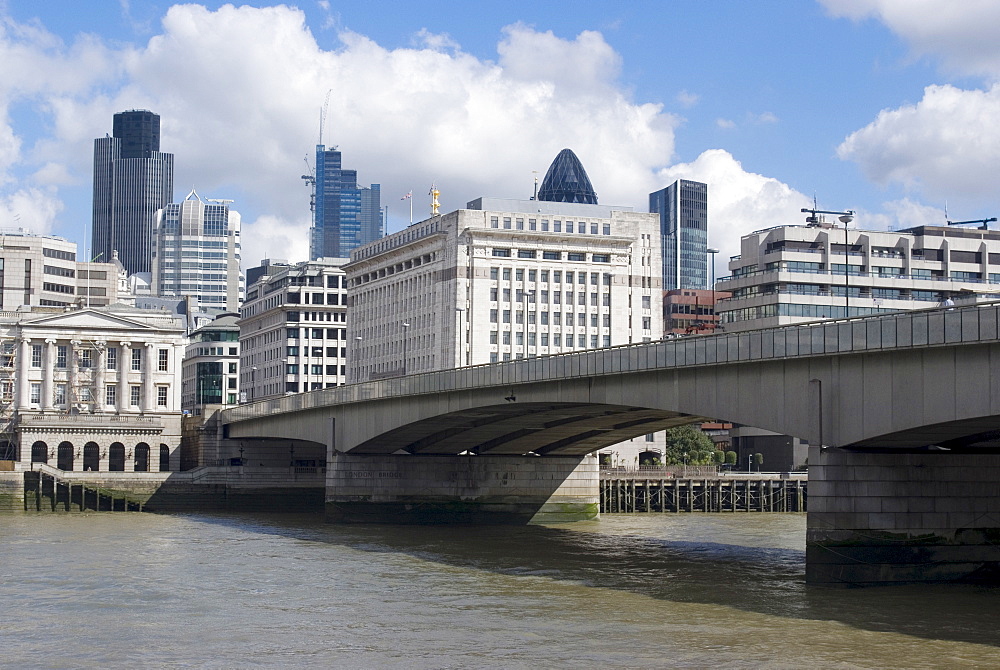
567, 181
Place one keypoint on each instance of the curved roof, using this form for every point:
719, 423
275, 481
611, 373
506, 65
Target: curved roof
567, 181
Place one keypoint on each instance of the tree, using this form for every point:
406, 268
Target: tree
719, 457
730, 458
688, 445
758, 459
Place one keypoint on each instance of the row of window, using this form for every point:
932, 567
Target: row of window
500, 252
59, 394
545, 338
581, 227
558, 276
497, 316
86, 358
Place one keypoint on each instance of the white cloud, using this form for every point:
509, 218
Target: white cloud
766, 117
739, 202
899, 214
962, 33
33, 209
946, 144
725, 124
688, 99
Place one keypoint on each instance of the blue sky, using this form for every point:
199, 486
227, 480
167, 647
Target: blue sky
887, 107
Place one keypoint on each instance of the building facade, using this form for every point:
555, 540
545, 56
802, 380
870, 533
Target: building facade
293, 335
132, 180
690, 311
91, 389
196, 254
345, 216
210, 373
792, 274
500, 280
683, 215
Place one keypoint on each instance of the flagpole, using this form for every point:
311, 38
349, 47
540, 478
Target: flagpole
411, 207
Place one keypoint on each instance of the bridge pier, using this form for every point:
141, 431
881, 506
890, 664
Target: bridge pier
892, 518
511, 490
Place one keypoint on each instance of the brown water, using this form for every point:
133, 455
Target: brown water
642, 591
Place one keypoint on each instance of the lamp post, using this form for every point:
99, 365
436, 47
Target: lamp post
253, 382
749, 463
406, 327
845, 218
715, 314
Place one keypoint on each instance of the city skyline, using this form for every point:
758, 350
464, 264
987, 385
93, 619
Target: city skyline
865, 104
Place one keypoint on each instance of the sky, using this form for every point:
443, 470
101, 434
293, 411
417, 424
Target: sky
885, 107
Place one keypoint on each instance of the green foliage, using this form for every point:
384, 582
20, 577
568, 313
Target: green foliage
758, 459
718, 457
730, 458
687, 444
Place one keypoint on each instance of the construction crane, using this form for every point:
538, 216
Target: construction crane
322, 115
984, 223
310, 179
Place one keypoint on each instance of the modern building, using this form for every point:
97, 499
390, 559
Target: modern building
91, 388
690, 311
132, 180
500, 280
792, 274
210, 373
196, 254
683, 212
43, 270
293, 334
345, 216
567, 181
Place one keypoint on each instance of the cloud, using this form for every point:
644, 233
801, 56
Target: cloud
739, 202
725, 124
946, 144
766, 117
687, 99
900, 214
962, 34
33, 209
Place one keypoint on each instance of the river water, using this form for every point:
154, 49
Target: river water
639, 591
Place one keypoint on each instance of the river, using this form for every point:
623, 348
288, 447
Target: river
640, 591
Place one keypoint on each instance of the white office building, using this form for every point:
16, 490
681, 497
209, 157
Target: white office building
293, 330
793, 274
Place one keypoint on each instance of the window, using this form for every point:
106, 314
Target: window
519, 338
545, 225
557, 226
593, 321
519, 224
232, 368
493, 294
86, 361
36, 393
545, 276
494, 273
161, 396
506, 222
519, 275
506, 337
556, 318
110, 395
161, 364
573, 256
606, 301
494, 222
501, 253
315, 369
646, 302
493, 337
60, 394
556, 276
581, 341
607, 228
506, 274
61, 352
532, 224
593, 300
532, 274
531, 339
136, 360
506, 316
112, 358
607, 341
601, 258
647, 323
292, 333
607, 321
593, 229
593, 341
36, 356
556, 339
85, 394
545, 318
133, 392
493, 315
552, 256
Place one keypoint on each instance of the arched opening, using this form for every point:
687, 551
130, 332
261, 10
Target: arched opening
64, 456
116, 457
91, 457
164, 458
39, 452
604, 459
142, 457
650, 459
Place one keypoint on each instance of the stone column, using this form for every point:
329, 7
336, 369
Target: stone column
48, 378
73, 373
23, 365
148, 371
124, 365
100, 374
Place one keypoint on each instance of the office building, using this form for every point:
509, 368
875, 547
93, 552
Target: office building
345, 216
792, 274
293, 334
196, 254
690, 311
683, 213
132, 180
500, 280
210, 373
567, 181
91, 389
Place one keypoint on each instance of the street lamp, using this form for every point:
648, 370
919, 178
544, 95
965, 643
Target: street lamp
715, 314
845, 218
749, 463
406, 327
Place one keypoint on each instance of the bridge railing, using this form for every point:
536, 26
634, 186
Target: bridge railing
910, 329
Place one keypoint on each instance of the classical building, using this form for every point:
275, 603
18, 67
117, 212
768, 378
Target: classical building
792, 274
345, 215
132, 180
683, 212
500, 280
91, 388
196, 254
210, 372
43, 270
293, 334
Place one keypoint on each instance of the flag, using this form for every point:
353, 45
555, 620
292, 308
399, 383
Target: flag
407, 196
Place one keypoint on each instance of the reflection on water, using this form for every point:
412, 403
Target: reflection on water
689, 590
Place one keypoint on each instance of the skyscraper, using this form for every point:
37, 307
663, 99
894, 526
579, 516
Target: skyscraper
345, 215
567, 181
132, 180
196, 252
683, 210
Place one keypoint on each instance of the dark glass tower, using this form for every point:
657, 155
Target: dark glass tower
346, 216
567, 181
683, 210
132, 180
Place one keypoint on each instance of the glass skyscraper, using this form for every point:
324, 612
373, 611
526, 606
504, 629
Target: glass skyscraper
346, 216
683, 210
132, 180
567, 181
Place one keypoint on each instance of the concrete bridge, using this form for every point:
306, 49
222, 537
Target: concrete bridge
910, 401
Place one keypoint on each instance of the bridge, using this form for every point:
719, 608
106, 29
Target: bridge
906, 407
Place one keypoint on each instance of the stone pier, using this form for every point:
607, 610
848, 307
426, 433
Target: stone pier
889, 518
461, 489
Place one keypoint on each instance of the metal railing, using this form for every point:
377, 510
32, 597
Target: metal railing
902, 330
